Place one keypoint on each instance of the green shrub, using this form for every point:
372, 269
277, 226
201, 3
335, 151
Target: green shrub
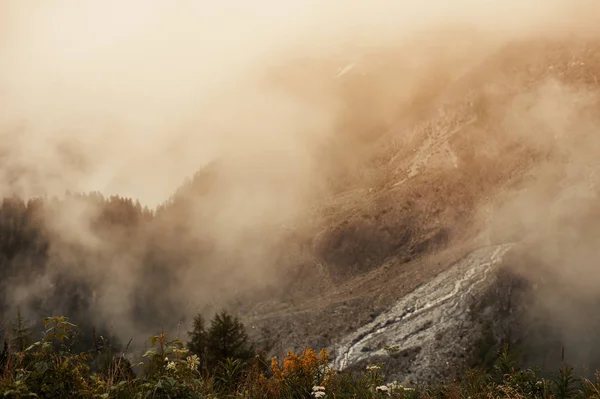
50, 369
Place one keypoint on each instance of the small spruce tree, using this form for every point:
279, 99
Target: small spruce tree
198, 338
4, 358
21, 333
227, 339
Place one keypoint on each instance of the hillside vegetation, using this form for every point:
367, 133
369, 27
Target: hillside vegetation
218, 363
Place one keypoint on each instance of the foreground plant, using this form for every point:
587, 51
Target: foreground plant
50, 369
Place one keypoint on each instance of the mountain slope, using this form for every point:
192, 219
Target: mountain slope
424, 226
500, 157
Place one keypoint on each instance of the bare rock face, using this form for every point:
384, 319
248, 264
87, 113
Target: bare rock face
431, 330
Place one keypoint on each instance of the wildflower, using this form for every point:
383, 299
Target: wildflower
382, 388
193, 362
277, 371
309, 360
324, 356
373, 367
394, 386
318, 391
166, 359
171, 366
181, 352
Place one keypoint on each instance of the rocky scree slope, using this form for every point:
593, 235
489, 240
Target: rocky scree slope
394, 255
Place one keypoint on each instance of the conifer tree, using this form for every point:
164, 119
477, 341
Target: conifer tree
4, 357
21, 333
198, 337
227, 339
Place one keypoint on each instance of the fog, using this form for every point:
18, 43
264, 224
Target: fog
131, 97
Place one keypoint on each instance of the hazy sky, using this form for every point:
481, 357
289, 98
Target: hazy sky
132, 96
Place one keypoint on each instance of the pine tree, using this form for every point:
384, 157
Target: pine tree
4, 357
198, 337
21, 333
227, 339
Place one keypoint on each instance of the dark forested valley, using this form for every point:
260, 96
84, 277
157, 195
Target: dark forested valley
110, 264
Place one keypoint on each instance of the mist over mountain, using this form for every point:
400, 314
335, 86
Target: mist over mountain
359, 177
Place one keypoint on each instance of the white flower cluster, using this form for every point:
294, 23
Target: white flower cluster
171, 366
382, 388
373, 367
193, 362
395, 387
318, 391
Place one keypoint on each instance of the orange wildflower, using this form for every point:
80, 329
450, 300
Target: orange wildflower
277, 372
309, 361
